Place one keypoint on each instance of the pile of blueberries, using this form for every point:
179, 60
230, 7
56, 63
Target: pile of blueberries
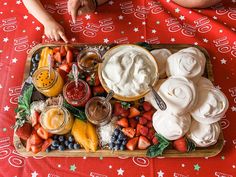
63, 142
35, 61
118, 140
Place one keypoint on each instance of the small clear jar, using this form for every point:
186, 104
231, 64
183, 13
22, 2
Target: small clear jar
88, 60
98, 111
77, 96
56, 120
49, 86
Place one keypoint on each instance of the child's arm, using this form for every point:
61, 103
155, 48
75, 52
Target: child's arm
196, 3
78, 7
52, 29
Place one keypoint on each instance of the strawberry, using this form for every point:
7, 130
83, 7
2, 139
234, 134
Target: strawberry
151, 134
98, 90
133, 112
62, 73
183, 145
93, 80
123, 122
25, 131
42, 133
141, 130
37, 126
154, 140
133, 123
69, 56
28, 145
148, 115
46, 144
57, 57
132, 143
35, 149
56, 49
130, 132
65, 67
142, 121
149, 124
35, 139
147, 106
143, 142
63, 51
121, 109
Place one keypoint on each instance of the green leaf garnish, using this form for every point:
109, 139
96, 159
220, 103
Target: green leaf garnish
125, 105
77, 112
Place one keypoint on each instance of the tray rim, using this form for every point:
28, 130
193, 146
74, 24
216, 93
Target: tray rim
171, 153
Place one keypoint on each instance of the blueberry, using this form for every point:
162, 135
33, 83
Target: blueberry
111, 145
122, 147
118, 142
53, 147
113, 139
71, 146
66, 142
35, 65
117, 147
137, 118
116, 132
55, 143
37, 57
124, 142
31, 73
121, 136
55, 137
61, 148
61, 138
48, 149
76, 146
141, 100
33, 60
71, 139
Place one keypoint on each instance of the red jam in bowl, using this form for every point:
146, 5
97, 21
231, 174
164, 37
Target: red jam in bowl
77, 96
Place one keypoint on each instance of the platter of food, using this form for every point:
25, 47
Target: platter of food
97, 101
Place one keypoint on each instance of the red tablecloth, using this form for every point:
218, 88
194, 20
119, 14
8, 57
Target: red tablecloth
122, 21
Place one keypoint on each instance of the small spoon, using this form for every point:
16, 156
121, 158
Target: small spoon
160, 103
75, 74
109, 96
49, 64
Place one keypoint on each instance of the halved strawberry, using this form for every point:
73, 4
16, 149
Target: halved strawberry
129, 131
121, 109
141, 130
42, 133
46, 144
56, 49
63, 51
133, 123
25, 131
57, 57
35, 139
147, 106
133, 112
149, 124
69, 56
35, 118
123, 122
35, 148
142, 121
98, 90
143, 142
148, 115
65, 67
28, 145
151, 133
132, 143
183, 144
154, 140
37, 126
62, 73
93, 80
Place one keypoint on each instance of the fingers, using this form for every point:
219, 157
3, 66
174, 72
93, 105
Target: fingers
63, 36
73, 6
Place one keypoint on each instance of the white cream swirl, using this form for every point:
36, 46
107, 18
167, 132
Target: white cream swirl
204, 135
170, 126
211, 106
161, 56
187, 62
179, 94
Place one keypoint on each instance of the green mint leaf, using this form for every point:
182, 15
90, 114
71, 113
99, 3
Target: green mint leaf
77, 112
125, 105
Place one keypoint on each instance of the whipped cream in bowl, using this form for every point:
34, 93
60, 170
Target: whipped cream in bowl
128, 70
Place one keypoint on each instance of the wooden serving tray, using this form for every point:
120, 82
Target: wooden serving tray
199, 152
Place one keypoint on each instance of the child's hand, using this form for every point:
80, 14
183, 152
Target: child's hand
54, 31
78, 7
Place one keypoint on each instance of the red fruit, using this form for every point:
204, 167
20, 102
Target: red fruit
28, 145
123, 122
63, 51
35, 139
130, 132
132, 143
37, 126
65, 67
117, 109
141, 130
151, 134
143, 142
25, 131
62, 73
56, 49
147, 106
93, 80
154, 140
42, 133
183, 145
35, 149
121, 109
149, 124
138, 128
142, 121
69, 56
57, 57
148, 115
133, 112
133, 123
46, 144
98, 90
35, 118
124, 112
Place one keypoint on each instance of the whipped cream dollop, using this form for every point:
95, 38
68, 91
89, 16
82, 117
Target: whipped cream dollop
204, 135
129, 71
161, 56
189, 62
179, 94
211, 105
170, 126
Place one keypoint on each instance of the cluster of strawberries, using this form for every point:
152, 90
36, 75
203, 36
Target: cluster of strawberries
136, 124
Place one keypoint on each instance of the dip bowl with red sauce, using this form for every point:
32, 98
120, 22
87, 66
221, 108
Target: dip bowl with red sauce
77, 96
